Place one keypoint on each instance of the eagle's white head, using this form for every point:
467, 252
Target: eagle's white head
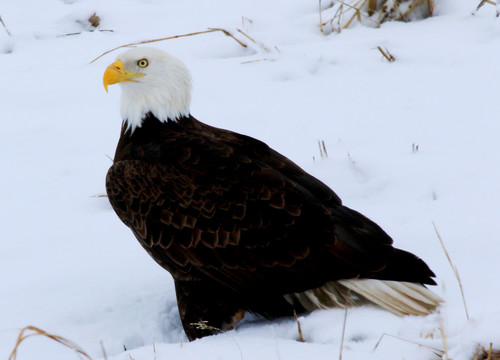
151, 81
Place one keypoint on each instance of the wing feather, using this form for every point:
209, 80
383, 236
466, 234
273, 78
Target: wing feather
238, 212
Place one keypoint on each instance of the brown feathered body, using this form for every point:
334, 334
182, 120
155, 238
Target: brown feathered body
239, 226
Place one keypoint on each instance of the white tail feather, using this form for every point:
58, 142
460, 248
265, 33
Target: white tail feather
400, 298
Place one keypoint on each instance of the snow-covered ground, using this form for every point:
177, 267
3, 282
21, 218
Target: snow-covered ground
70, 267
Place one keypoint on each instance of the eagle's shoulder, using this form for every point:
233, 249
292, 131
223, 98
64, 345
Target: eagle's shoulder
248, 149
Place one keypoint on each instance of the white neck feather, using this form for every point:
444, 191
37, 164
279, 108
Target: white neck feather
165, 91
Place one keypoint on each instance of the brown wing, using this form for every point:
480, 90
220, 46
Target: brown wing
243, 215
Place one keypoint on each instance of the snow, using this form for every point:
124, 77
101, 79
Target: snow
70, 267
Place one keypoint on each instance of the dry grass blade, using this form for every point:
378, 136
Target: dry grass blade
487, 354
299, 328
430, 4
256, 60
357, 13
454, 268
261, 45
322, 149
374, 11
36, 332
437, 352
81, 32
481, 5
344, 325
210, 30
384, 12
388, 56
244, 19
443, 338
412, 7
5, 27
104, 350
338, 16
227, 33
238, 346
372, 6
321, 19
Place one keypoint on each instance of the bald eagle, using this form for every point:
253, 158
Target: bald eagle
240, 227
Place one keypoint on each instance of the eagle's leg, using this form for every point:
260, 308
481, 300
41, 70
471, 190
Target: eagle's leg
206, 308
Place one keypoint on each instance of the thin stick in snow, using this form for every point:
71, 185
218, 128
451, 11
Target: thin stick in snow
299, 328
388, 56
321, 19
454, 268
497, 4
430, 4
474, 12
438, 352
210, 30
103, 351
443, 339
343, 326
410, 9
261, 45
5, 27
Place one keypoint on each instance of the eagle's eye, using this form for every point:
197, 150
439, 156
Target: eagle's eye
142, 63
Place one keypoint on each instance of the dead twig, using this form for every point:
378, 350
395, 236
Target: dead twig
210, 30
412, 7
388, 56
454, 269
94, 20
36, 331
487, 354
5, 26
238, 346
430, 4
245, 19
357, 12
321, 19
227, 33
256, 60
104, 350
81, 32
345, 322
299, 328
372, 6
481, 5
322, 149
261, 45
375, 11
437, 352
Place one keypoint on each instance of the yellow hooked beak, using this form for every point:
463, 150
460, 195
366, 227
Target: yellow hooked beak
115, 73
